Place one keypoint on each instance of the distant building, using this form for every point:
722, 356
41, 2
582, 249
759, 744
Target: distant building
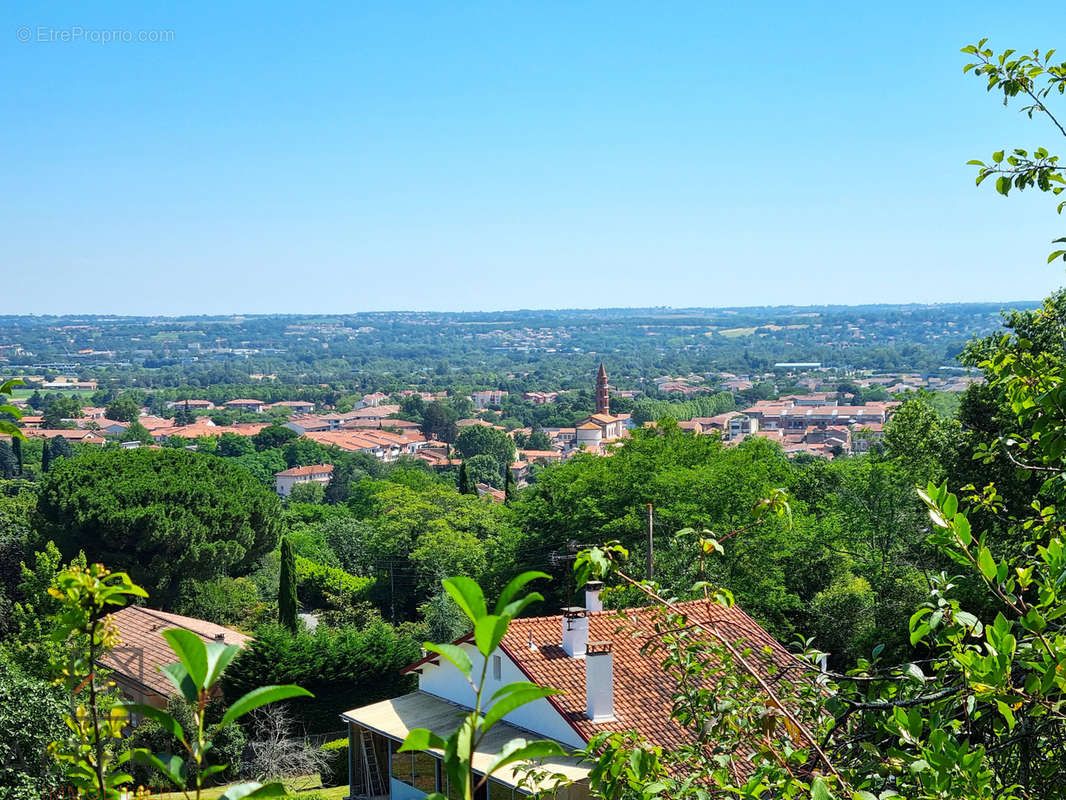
244, 404
600, 428
488, 398
287, 480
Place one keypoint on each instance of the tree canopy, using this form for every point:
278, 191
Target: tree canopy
165, 515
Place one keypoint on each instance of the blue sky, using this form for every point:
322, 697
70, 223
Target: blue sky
460, 156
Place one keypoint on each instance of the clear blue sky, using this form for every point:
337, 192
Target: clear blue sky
297, 157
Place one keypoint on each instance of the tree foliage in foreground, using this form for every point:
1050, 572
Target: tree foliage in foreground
168, 516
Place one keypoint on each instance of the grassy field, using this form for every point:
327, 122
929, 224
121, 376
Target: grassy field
22, 391
330, 793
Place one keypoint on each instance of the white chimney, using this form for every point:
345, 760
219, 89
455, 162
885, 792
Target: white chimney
575, 631
599, 682
592, 596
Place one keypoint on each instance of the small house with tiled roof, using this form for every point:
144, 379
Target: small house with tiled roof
595, 658
286, 480
134, 664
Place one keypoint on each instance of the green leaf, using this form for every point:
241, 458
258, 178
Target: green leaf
422, 739
165, 720
170, 766
1057, 254
219, 656
453, 653
1003, 184
191, 651
986, 564
997, 156
467, 595
515, 607
819, 791
521, 750
515, 585
179, 676
528, 693
260, 697
1008, 715
488, 632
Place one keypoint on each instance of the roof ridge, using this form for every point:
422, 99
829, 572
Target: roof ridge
156, 613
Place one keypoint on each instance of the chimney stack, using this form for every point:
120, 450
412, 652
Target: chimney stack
575, 631
592, 596
599, 682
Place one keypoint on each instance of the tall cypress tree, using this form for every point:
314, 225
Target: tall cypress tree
46, 457
508, 484
287, 603
464, 480
16, 445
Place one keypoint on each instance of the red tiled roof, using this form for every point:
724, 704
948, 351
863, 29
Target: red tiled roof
143, 650
313, 469
642, 690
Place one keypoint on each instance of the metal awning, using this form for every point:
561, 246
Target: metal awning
394, 718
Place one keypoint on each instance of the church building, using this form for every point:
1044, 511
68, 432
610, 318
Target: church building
600, 428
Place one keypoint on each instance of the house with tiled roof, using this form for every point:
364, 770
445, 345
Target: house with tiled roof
245, 404
286, 480
596, 660
134, 664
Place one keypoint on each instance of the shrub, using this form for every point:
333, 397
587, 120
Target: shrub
336, 773
343, 668
319, 586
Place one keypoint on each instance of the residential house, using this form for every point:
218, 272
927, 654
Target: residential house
492, 397
244, 404
135, 662
286, 480
596, 659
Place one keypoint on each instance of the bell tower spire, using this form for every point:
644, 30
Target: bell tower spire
603, 393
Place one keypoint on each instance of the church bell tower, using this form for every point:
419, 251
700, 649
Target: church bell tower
603, 395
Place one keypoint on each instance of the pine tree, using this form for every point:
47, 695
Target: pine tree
287, 603
508, 485
46, 457
464, 480
16, 445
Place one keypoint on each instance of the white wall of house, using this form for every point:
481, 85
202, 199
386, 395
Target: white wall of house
540, 716
285, 483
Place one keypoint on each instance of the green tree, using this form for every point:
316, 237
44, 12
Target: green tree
1033, 77
231, 445
60, 408
166, 515
343, 667
123, 409
538, 440
465, 486
46, 457
274, 435
311, 492
60, 448
476, 440
31, 713
438, 421
287, 602
136, 432
483, 469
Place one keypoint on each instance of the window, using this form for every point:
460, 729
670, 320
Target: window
499, 791
401, 764
497, 667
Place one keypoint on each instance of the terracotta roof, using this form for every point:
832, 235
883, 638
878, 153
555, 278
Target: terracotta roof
313, 469
243, 401
143, 650
642, 690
